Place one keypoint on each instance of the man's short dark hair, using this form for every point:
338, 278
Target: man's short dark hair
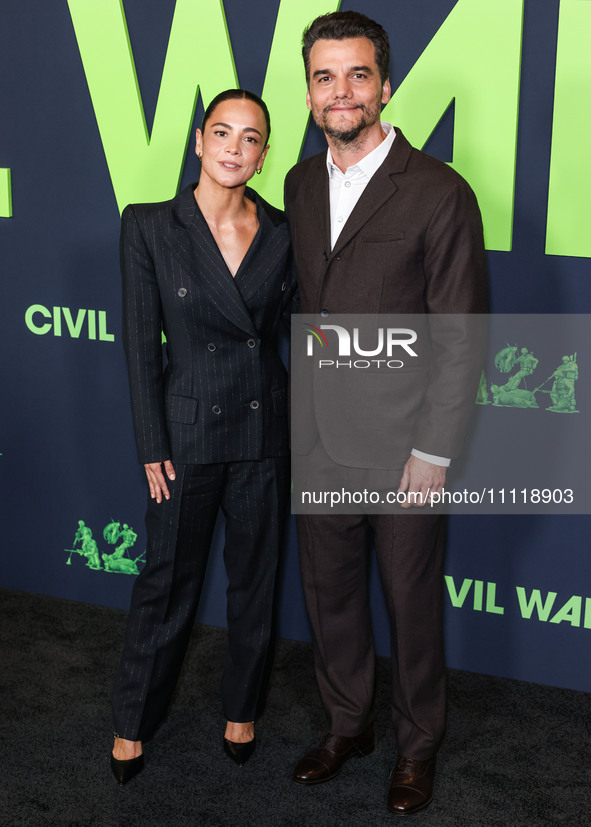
344, 24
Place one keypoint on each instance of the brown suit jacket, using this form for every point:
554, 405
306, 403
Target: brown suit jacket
412, 245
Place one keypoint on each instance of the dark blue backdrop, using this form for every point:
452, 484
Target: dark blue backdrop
65, 436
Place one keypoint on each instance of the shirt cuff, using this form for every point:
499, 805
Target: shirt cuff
432, 458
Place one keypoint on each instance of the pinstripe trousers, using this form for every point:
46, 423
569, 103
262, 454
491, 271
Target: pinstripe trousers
253, 498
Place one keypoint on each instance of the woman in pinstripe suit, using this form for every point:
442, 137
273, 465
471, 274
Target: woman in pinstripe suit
212, 268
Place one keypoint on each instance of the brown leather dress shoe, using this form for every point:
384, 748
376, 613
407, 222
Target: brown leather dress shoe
411, 787
324, 761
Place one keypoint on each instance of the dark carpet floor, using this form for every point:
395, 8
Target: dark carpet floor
514, 754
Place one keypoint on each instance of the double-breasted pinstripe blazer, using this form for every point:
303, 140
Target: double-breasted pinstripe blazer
221, 396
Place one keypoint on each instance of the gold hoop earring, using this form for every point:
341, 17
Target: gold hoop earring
200, 155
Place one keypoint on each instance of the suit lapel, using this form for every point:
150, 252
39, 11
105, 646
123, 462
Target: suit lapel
318, 201
182, 216
311, 225
380, 189
269, 247
192, 242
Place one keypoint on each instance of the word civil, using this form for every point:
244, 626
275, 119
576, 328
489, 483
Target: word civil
90, 324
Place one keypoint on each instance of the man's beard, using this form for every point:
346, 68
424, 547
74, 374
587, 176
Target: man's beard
348, 135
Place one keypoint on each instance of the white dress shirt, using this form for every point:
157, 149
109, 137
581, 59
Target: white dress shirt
345, 189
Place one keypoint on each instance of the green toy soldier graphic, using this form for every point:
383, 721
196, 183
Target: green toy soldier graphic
128, 538
563, 387
505, 358
89, 548
510, 394
122, 565
119, 561
527, 364
111, 532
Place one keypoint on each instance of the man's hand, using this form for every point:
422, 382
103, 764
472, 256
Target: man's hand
156, 479
422, 479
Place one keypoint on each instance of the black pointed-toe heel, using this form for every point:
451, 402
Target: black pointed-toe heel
239, 753
124, 771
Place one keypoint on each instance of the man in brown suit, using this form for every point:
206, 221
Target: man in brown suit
379, 227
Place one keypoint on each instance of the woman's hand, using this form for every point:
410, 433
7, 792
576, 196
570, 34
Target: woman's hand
157, 480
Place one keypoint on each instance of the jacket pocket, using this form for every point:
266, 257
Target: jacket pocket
279, 401
383, 237
181, 409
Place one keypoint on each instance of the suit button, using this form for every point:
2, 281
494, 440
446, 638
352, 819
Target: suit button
324, 312
216, 409
211, 347
182, 292
251, 343
254, 404
284, 287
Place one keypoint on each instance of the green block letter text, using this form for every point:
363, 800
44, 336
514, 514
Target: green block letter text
474, 59
569, 208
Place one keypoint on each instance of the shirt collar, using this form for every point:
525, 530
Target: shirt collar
369, 164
